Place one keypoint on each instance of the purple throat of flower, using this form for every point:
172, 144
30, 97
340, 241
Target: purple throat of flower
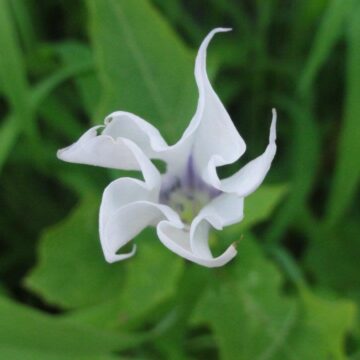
186, 193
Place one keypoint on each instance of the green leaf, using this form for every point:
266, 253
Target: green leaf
105, 294
321, 329
333, 259
145, 286
25, 23
347, 171
328, 33
12, 69
9, 130
245, 310
27, 330
252, 319
305, 155
260, 205
87, 84
13, 84
15, 353
143, 66
46, 86
73, 246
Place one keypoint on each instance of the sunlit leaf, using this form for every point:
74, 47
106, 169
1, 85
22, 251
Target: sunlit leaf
252, 319
73, 246
143, 66
146, 286
27, 330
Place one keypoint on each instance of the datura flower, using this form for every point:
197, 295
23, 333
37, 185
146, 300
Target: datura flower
187, 200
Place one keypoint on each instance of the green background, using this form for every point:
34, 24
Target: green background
293, 291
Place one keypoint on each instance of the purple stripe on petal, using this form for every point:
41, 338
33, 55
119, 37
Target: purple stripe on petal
189, 180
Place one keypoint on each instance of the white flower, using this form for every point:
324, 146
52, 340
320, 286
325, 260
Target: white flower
189, 198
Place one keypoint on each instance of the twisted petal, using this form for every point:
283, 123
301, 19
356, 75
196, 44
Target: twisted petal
123, 192
127, 222
249, 177
210, 132
193, 245
216, 141
100, 150
215, 133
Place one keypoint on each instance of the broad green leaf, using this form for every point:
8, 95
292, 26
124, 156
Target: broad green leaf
252, 319
143, 66
110, 293
321, 329
28, 330
249, 317
73, 246
347, 170
145, 286
14, 353
328, 33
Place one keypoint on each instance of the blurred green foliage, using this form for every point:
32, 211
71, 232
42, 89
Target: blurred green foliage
293, 292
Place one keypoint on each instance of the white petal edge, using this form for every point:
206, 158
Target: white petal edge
108, 150
103, 150
122, 192
176, 239
215, 132
193, 245
99, 150
250, 176
224, 210
128, 221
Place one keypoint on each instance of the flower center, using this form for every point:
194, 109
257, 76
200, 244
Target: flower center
187, 194
188, 204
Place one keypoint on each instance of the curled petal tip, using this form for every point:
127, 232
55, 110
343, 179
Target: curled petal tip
222, 29
111, 257
273, 126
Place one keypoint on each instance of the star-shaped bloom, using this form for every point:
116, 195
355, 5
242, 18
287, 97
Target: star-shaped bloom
190, 198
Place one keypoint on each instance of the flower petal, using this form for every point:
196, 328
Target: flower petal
106, 151
177, 239
128, 221
122, 192
249, 177
99, 150
224, 210
215, 133
130, 126
193, 245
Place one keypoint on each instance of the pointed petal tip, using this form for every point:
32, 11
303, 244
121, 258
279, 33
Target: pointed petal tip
220, 29
272, 136
225, 29
111, 258
60, 154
